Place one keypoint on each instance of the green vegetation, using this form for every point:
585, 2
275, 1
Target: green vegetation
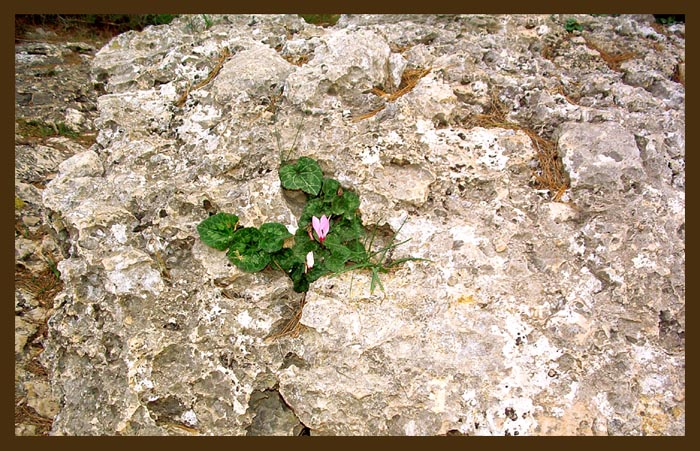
572, 25
379, 261
52, 266
41, 129
303, 256
323, 20
669, 19
207, 21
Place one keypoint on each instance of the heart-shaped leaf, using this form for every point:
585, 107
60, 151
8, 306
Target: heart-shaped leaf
331, 189
305, 175
299, 279
314, 207
273, 235
251, 262
348, 229
217, 231
336, 260
285, 259
245, 251
346, 204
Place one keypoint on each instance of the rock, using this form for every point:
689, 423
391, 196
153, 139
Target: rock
23, 330
527, 317
272, 416
75, 119
84, 164
599, 155
345, 66
52, 90
39, 394
242, 75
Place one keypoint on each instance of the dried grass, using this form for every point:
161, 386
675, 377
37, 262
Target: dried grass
549, 173
560, 90
293, 326
677, 75
613, 60
44, 286
409, 80
25, 414
297, 60
367, 115
225, 54
395, 48
35, 367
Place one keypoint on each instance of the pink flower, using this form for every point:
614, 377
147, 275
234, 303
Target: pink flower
321, 226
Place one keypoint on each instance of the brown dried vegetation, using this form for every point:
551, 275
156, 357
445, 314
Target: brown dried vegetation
549, 173
409, 79
613, 60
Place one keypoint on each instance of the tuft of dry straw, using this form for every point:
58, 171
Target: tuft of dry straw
551, 174
293, 326
612, 60
25, 414
44, 285
409, 80
225, 54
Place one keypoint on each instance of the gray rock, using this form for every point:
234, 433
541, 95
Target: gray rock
51, 89
531, 317
599, 155
272, 416
341, 69
84, 164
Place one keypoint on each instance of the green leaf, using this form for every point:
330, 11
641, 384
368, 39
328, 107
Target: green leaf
246, 240
358, 253
305, 175
348, 229
316, 273
217, 231
336, 260
303, 244
251, 262
286, 259
245, 251
330, 188
375, 281
346, 204
314, 207
273, 236
299, 279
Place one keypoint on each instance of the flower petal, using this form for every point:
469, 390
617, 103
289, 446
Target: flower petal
325, 225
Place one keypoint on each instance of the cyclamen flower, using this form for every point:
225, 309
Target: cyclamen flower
309, 261
321, 226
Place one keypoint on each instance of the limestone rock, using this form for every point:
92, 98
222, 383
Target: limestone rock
55, 104
527, 317
609, 157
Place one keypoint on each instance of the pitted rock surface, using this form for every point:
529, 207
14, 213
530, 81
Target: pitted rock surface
531, 317
52, 87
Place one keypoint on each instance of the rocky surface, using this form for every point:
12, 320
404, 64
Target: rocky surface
542, 311
52, 90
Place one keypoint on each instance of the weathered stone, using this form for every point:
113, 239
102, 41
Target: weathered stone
341, 69
609, 157
526, 317
272, 416
85, 164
